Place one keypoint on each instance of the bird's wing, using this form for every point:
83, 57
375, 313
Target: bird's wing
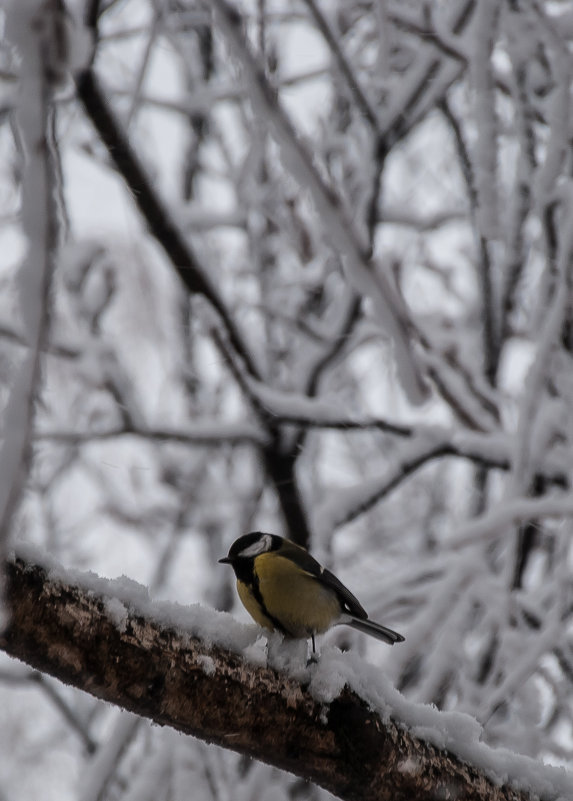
347, 600
308, 563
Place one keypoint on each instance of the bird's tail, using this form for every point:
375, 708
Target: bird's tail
375, 630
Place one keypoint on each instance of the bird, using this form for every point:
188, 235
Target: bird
285, 589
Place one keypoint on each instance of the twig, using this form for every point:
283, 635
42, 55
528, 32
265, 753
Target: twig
206, 433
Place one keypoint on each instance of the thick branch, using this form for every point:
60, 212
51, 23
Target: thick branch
135, 660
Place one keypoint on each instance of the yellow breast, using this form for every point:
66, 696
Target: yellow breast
294, 598
252, 605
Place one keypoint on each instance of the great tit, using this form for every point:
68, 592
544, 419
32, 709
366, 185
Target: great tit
285, 589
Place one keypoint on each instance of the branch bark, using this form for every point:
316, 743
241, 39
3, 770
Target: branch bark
75, 633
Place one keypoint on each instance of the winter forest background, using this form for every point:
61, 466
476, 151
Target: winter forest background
336, 305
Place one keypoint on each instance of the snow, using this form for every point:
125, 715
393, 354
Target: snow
207, 664
454, 731
129, 597
117, 612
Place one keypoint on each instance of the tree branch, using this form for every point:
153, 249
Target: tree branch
361, 100
158, 219
210, 432
140, 659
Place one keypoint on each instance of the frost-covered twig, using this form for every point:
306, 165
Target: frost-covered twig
427, 31
103, 767
498, 523
426, 82
521, 670
489, 302
57, 348
51, 689
154, 771
485, 159
456, 384
279, 456
492, 451
391, 310
521, 206
207, 432
362, 102
410, 218
135, 97
555, 297
345, 505
559, 108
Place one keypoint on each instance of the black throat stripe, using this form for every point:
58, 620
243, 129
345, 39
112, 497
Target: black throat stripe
259, 598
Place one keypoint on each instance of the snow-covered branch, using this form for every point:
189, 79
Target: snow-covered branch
337, 722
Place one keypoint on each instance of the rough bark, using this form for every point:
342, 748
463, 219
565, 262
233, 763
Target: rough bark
72, 633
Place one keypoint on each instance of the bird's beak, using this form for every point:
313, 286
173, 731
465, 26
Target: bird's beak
225, 561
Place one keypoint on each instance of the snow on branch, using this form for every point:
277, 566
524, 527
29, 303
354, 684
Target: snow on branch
557, 295
494, 524
338, 722
292, 407
345, 504
348, 503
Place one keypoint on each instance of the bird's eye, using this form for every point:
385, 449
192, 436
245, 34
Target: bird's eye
261, 545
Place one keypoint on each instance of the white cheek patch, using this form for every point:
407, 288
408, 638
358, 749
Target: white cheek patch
262, 545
